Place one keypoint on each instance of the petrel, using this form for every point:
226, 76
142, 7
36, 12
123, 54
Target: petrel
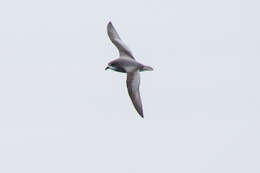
126, 63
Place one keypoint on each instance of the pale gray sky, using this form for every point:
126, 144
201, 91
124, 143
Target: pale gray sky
60, 111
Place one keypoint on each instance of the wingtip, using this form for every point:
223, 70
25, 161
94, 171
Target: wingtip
109, 26
109, 23
141, 114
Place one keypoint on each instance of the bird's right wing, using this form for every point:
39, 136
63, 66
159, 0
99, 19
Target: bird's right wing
121, 46
133, 83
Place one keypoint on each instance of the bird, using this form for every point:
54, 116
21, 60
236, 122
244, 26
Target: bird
126, 63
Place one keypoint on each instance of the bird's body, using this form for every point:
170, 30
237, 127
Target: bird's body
126, 63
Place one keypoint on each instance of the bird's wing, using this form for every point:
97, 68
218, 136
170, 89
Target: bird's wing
114, 37
133, 83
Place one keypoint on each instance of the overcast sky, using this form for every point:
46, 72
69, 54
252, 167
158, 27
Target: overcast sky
60, 111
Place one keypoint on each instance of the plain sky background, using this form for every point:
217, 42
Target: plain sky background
60, 111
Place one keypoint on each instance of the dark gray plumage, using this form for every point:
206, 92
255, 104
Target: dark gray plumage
126, 63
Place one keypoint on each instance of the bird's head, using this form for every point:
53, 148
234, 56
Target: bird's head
110, 66
115, 65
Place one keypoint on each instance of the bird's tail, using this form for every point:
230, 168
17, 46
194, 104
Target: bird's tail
146, 68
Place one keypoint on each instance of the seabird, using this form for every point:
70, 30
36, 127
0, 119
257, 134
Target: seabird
126, 63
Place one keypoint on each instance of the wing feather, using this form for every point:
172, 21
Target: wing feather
116, 40
133, 83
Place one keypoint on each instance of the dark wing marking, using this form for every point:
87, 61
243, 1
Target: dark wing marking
133, 83
121, 46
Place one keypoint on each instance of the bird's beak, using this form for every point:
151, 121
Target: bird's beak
106, 68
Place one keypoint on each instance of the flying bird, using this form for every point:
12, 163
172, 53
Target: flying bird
126, 63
